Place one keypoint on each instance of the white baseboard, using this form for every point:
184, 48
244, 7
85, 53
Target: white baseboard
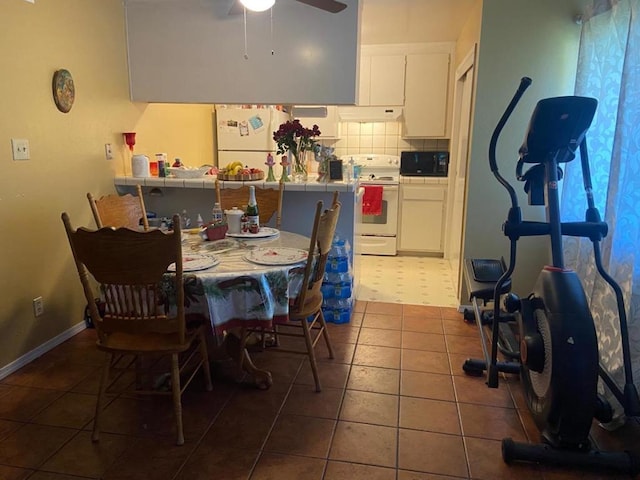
41, 350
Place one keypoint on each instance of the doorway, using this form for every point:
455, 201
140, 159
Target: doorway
461, 131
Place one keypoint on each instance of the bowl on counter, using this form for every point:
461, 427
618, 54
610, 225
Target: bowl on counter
187, 172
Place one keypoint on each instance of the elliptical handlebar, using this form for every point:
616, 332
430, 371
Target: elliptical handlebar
525, 82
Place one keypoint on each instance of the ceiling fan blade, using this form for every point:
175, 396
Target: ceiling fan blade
331, 6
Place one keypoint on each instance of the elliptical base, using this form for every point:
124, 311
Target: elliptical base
624, 462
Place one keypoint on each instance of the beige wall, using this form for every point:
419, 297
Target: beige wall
518, 38
470, 33
67, 151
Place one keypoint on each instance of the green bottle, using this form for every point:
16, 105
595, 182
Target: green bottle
252, 211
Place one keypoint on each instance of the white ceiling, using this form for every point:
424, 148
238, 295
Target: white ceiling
413, 21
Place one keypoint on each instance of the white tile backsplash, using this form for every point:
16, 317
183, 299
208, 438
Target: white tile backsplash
378, 137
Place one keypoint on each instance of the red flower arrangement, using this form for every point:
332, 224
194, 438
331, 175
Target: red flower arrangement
292, 137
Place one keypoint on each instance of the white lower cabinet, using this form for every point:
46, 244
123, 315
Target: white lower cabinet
422, 214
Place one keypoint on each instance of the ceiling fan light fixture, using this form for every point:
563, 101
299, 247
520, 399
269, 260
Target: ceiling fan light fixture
257, 5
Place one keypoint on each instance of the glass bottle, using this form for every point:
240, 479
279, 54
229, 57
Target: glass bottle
252, 211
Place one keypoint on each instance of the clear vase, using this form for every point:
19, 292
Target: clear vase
323, 170
299, 169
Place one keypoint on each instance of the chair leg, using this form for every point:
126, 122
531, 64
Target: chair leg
177, 401
311, 353
325, 334
205, 362
102, 393
244, 336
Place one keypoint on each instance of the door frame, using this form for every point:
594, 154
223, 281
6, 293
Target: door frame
468, 62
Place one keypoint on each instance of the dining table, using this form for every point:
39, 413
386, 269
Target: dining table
244, 280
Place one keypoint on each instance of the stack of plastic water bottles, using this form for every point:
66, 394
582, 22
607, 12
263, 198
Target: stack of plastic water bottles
337, 286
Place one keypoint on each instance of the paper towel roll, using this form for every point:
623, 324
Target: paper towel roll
140, 166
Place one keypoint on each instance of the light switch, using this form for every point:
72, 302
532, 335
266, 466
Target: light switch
20, 147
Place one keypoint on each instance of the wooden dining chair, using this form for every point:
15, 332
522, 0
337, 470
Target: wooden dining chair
306, 319
138, 320
119, 210
269, 201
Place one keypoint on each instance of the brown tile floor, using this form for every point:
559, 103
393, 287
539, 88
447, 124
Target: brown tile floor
395, 406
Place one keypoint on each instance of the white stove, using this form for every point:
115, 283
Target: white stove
376, 233
376, 169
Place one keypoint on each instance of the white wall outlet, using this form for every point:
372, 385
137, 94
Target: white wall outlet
108, 152
38, 306
20, 147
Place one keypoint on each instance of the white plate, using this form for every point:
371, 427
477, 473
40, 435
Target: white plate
264, 232
220, 246
276, 256
195, 262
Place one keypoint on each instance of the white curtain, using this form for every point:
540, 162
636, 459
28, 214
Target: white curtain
609, 70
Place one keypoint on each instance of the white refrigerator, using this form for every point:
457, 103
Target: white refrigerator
246, 135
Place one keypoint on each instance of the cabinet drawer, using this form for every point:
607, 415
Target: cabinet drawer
423, 193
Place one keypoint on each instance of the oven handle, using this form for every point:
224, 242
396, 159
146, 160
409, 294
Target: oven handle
390, 188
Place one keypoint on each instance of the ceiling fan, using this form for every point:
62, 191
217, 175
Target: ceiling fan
331, 6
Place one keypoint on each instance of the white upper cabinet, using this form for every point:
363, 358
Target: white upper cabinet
415, 76
326, 117
426, 95
193, 51
381, 80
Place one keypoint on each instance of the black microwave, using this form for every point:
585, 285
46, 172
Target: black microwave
424, 164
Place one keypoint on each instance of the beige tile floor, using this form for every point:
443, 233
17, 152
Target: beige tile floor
407, 279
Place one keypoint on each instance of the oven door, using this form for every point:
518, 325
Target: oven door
385, 224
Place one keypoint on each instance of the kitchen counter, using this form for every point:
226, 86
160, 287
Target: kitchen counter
208, 182
424, 180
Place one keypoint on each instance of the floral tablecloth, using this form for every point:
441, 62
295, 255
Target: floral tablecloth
237, 292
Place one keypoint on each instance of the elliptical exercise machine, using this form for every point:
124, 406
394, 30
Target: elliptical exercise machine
559, 359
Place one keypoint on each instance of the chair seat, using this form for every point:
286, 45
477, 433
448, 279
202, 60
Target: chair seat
145, 343
311, 305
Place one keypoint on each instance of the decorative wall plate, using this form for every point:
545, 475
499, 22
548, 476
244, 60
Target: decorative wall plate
64, 92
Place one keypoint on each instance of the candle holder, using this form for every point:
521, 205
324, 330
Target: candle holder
285, 164
130, 139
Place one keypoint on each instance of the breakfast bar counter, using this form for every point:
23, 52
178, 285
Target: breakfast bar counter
208, 182
196, 196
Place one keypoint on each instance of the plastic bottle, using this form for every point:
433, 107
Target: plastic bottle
199, 221
252, 211
217, 214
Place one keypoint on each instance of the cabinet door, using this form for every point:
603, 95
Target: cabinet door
381, 80
327, 124
387, 80
426, 91
421, 218
364, 82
